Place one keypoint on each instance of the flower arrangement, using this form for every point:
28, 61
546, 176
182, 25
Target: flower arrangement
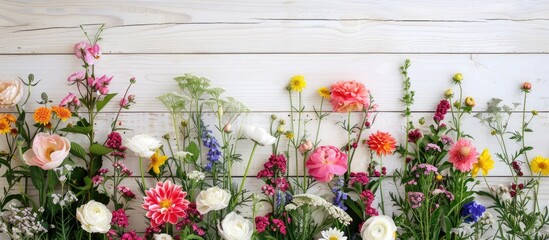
194, 180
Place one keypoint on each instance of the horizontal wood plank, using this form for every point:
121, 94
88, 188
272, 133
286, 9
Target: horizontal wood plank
260, 80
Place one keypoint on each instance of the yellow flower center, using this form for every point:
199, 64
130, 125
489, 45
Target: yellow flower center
165, 203
542, 165
332, 238
464, 151
49, 151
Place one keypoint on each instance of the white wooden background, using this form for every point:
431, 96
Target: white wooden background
252, 48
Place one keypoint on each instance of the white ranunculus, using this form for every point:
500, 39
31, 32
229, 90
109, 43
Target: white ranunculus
378, 228
212, 199
162, 236
10, 92
143, 145
94, 217
235, 227
259, 135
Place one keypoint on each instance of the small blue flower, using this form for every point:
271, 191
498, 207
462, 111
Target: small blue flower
214, 153
340, 196
472, 211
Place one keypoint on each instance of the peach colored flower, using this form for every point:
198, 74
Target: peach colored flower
305, 146
382, 143
48, 151
62, 113
165, 203
42, 115
463, 155
325, 162
10, 93
349, 96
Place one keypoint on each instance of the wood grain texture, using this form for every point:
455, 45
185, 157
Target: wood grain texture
260, 80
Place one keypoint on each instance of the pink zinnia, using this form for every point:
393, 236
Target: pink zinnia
347, 96
325, 162
165, 203
463, 154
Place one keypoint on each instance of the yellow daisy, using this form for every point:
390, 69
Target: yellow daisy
484, 163
4, 126
324, 92
157, 160
297, 83
289, 135
540, 165
42, 115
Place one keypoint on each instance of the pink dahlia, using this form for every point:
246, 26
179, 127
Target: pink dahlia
325, 162
165, 203
463, 155
349, 96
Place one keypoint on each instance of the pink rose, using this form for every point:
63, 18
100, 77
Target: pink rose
325, 162
48, 151
349, 96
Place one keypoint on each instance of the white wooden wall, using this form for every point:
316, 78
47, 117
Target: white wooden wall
251, 48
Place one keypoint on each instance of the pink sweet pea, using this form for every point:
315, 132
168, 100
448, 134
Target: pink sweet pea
70, 99
77, 76
325, 162
101, 84
92, 53
81, 48
48, 151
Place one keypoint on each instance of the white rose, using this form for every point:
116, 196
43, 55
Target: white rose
259, 135
94, 217
212, 199
143, 145
10, 93
235, 227
162, 236
378, 228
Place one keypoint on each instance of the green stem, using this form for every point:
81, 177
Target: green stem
381, 187
241, 187
142, 172
304, 173
348, 145
319, 122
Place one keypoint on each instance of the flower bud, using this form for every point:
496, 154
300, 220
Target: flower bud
131, 98
184, 124
458, 77
534, 112
166, 136
273, 117
449, 93
457, 104
493, 132
526, 86
305, 146
227, 128
280, 130
469, 102
422, 121
282, 122
132, 80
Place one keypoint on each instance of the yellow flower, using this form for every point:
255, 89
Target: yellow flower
439, 177
469, 102
289, 135
4, 126
62, 113
42, 115
9, 117
484, 163
458, 77
324, 92
157, 160
297, 83
540, 165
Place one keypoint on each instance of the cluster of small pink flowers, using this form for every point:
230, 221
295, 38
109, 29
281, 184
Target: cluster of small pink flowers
132, 235
442, 109
367, 197
264, 223
97, 179
101, 85
416, 198
442, 190
192, 219
432, 146
118, 166
273, 174
119, 218
427, 169
127, 102
515, 188
150, 231
126, 192
446, 140
516, 168
114, 141
360, 178
374, 172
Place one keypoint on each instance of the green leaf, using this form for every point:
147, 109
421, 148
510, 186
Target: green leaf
98, 149
78, 150
193, 148
101, 104
37, 177
78, 129
88, 184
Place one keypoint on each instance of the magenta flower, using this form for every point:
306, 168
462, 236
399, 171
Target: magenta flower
77, 76
325, 162
70, 99
463, 155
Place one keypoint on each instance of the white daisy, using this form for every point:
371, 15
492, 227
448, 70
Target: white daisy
332, 234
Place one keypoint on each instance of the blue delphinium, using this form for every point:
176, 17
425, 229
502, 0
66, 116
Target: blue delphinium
472, 211
340, 196
214, 153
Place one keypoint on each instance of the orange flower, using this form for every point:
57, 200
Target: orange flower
4, 126
62, 113
382, 143
9, 117
42, 115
